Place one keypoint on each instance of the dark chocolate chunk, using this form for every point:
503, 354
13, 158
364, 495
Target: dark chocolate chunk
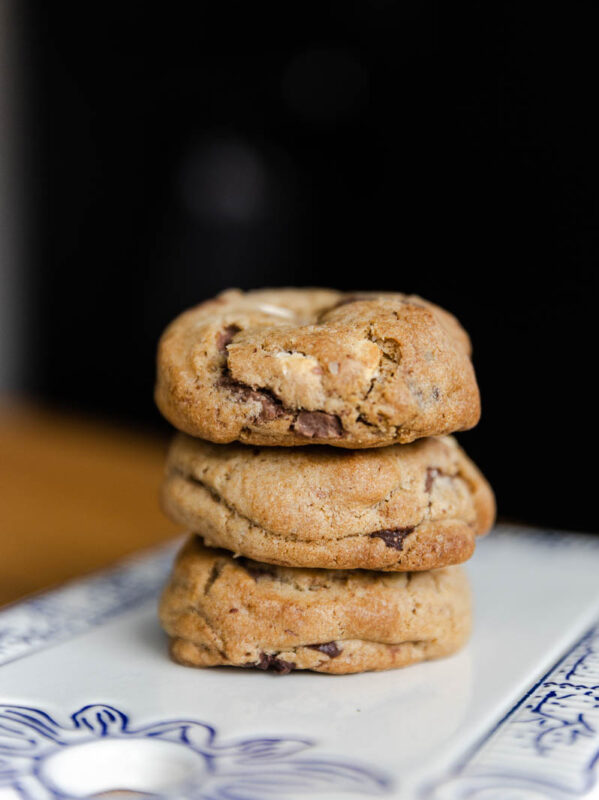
272, 408
275, 664
328, 648
239, 389
225, 337
318, 425
393, 538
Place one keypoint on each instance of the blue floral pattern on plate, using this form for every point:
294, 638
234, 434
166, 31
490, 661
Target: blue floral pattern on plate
246, 769
547, 746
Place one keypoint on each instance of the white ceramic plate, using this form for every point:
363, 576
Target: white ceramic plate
91, 704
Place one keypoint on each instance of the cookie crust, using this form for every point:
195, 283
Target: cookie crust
401, 508
221, 610
316, 366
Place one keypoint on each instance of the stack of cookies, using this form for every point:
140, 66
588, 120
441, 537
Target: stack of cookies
327, 502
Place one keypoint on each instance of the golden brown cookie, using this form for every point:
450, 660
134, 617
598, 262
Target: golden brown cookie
400, 508
298, 366
222, 610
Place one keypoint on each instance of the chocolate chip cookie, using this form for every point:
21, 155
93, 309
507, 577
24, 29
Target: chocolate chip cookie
401, 508
316, 366
222, 610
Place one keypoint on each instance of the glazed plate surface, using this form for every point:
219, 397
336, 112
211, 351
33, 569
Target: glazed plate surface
91, 705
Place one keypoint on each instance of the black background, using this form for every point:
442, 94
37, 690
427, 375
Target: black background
449, 151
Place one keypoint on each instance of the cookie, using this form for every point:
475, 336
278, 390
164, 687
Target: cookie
222, 610
298, 366
401, 508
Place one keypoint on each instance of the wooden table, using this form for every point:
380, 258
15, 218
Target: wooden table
75, 495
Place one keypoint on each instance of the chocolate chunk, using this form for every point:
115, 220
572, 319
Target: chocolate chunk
240, 390
328, 648
225, 337
393, 538
272, 408
435, 394
318, 425
275, 664
431, 474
